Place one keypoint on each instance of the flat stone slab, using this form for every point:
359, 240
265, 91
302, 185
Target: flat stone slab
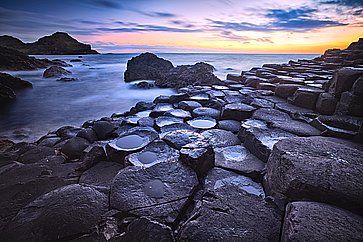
232, 209
230, 125
239, 159
203, 111
260, 141
44, 218
153, 191
319, 169
178, 138
312, 221
220, 138
156, 152
237, 111
101, 174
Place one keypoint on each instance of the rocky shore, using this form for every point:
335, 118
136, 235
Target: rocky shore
273, 154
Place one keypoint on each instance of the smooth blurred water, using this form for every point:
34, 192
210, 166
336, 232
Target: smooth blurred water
100, 90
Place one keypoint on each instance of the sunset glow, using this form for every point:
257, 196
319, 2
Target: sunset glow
249, 26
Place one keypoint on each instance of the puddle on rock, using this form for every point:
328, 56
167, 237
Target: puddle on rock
154, 189
130, 142
202, 123
147, 157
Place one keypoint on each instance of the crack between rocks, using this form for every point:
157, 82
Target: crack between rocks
158, 204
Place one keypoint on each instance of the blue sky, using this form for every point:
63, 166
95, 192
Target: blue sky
190, 26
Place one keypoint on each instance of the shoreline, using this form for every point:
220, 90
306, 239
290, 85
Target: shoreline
276, 151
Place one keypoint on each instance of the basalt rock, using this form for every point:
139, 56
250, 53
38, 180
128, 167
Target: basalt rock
319, 169
312, 221
55, 71
9, 85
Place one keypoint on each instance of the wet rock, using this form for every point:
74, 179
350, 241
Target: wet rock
165, 120
146, 122
199, 156
270, 115
220, 138
145, 85
147, 66
88, 134
237, 112
234, 77
129, 142
9, 84
229, 125
74, 147
175, 98
101, 174
178, 113
173, 127
305, 97
266, 86
145, 229
91, 158
203, 111
103, 129
67, 132
20, 184
202, 123
162, 99
43, 219
317, 168
232, 209
201, 98
260, 141
239, 159
152, 191
189, 105
286, 90
160, 109
178, 138
247, 124
312, 221
296, 127
48, 141
326, 103
262, 103
67, 79
155, 153
55, 71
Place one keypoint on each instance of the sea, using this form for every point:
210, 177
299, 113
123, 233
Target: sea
100, 90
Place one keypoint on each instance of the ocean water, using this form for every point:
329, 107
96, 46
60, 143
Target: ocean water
100, 90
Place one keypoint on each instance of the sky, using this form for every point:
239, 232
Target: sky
226, 26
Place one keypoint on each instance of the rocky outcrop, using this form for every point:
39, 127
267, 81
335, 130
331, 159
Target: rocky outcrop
58, 43
13, 60
148, 66
10, 84
55, 71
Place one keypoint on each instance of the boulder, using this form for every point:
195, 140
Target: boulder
344, 79
189, 105
220, 138
91, 158
312, 221
147, 66
326, 103
178, 138
305, 97
152, 191
43, 219
350, 104
357, 88
229, 125
101, 174
74, 147
237, 111
319, 169
55, 71
103, 129
232, 209
286, 90
36, 154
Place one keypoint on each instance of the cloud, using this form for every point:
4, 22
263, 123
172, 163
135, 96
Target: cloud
245, 39
159, 14
350, 3
300, 20
106, 4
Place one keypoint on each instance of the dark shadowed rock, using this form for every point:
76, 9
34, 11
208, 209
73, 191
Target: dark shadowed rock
229, 125
152, 191
43, 219
305, 97
91, 158
10, 84
101, 174
160, 109
67, 132
74, 147
232, 209
344, 79
55, 71
189, 105
239, 159
147, 230
21, 184
312, 221
88, 134
103, 129
317, 168
286, 90
147, 66
58, 43
13, 60
326, 103
36, 154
